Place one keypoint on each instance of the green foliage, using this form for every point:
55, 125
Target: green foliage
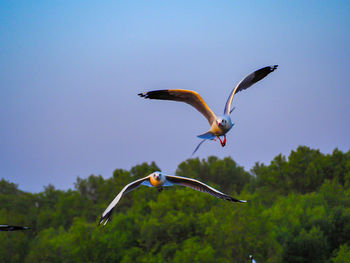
225, 173
298, 211
343, 255
304, 171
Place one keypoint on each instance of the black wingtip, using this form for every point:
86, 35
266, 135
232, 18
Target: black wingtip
237, 200
143, 94
273, 68
157, 94
14, 228
103, 220
232, 199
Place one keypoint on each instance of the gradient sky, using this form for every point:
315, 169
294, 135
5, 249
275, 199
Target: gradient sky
70, 72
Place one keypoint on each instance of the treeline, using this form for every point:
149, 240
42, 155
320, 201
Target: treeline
298, 211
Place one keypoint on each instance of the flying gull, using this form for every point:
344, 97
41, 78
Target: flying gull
13, 228
221, 124
160, 180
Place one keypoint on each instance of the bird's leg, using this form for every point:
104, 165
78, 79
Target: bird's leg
160, 189
223, 143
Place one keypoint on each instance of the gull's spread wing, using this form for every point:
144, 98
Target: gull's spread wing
247, 82
132, 186
199, 186
187, 96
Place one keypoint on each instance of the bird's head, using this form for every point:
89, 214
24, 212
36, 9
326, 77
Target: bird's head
224, 122
158, 176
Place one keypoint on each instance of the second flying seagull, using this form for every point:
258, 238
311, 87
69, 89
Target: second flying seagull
159, 180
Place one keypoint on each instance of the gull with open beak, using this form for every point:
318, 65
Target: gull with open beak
219, 125
160, 180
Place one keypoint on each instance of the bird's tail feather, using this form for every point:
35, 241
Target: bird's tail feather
207, 136
198, 146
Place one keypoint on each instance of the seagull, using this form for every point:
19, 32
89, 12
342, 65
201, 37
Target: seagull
160, 180
252, 259
13, 228
221, 124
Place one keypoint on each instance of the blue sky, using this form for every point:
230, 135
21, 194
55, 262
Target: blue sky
71, 71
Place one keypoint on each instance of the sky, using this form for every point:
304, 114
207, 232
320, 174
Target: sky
70, 72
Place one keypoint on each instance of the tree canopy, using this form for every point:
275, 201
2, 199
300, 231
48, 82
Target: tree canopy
298, 211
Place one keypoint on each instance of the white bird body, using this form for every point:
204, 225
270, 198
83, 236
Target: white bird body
225, 125
157, 181
160, 180
219, 125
